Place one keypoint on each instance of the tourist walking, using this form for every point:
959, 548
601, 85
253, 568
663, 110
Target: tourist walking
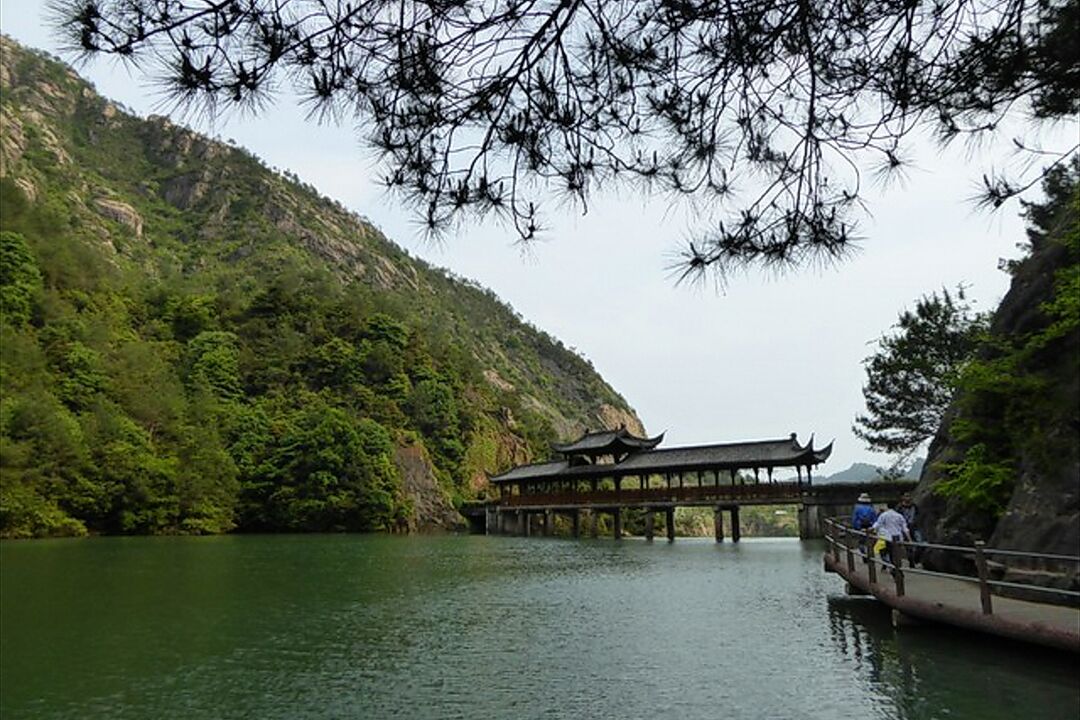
862, 518
910, 511
891, 527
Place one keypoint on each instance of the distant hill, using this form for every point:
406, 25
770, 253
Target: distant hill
865, 472
195, 343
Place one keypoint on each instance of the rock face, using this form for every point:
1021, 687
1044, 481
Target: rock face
121, 213
431, 509
1043, 512
609, 416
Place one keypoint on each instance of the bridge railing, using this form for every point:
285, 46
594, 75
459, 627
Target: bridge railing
857, 546
661, 495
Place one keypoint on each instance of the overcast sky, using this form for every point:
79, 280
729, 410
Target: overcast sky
765, 357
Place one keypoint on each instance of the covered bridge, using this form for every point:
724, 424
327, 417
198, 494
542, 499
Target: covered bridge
614, 469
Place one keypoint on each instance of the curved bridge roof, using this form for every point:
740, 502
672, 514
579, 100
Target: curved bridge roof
726, 456
608, 442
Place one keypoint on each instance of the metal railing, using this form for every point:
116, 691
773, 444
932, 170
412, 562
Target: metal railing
858, 544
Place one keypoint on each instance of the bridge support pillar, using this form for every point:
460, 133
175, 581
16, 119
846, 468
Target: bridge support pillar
575, 523
810, 520
669, 518
735, 523
718, 523
525, 523
650, 518
594, 525
616, 516
546, 519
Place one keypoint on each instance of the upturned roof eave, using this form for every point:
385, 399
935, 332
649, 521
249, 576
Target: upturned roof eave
620, 439
657, 462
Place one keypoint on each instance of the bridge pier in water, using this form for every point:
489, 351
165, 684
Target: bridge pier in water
718, 522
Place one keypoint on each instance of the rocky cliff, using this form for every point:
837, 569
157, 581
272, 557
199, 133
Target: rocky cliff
1005, 465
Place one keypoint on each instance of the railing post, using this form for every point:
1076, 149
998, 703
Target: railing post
984, 587
898, 564
835, 541
871, 566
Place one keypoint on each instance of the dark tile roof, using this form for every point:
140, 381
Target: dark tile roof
734, 456
608, 441
536, 470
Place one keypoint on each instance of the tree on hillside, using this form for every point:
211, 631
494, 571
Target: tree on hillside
770, 111
910, 380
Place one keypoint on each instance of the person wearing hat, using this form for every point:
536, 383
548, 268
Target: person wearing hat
862, 518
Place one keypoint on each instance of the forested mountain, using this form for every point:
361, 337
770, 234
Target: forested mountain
195, 343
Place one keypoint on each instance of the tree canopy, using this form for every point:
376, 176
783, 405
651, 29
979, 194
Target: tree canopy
770, 111
911, 379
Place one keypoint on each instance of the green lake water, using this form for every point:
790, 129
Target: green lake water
481, 627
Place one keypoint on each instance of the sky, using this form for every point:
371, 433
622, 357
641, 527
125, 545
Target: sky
763, 357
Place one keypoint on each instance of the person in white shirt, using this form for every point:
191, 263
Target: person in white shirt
891, 526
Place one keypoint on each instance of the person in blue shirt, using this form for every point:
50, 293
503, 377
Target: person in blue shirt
862, 518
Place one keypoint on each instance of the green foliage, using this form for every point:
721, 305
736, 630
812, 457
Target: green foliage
1010, 404
433, 409
214, 361
20, 279
81, 375
911, 379
981, 482
43, 454
325, 472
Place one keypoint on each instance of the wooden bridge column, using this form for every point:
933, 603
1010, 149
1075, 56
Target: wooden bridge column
616, 515
575, 523
734, 523
546, 519
650, 517
718, 523
595, 516
669, 517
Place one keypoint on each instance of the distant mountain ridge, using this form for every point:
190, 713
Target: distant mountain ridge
860, 472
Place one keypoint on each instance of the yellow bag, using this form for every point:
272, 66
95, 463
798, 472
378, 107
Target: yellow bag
880, 546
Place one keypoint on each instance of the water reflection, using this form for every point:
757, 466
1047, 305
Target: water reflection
934, 671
